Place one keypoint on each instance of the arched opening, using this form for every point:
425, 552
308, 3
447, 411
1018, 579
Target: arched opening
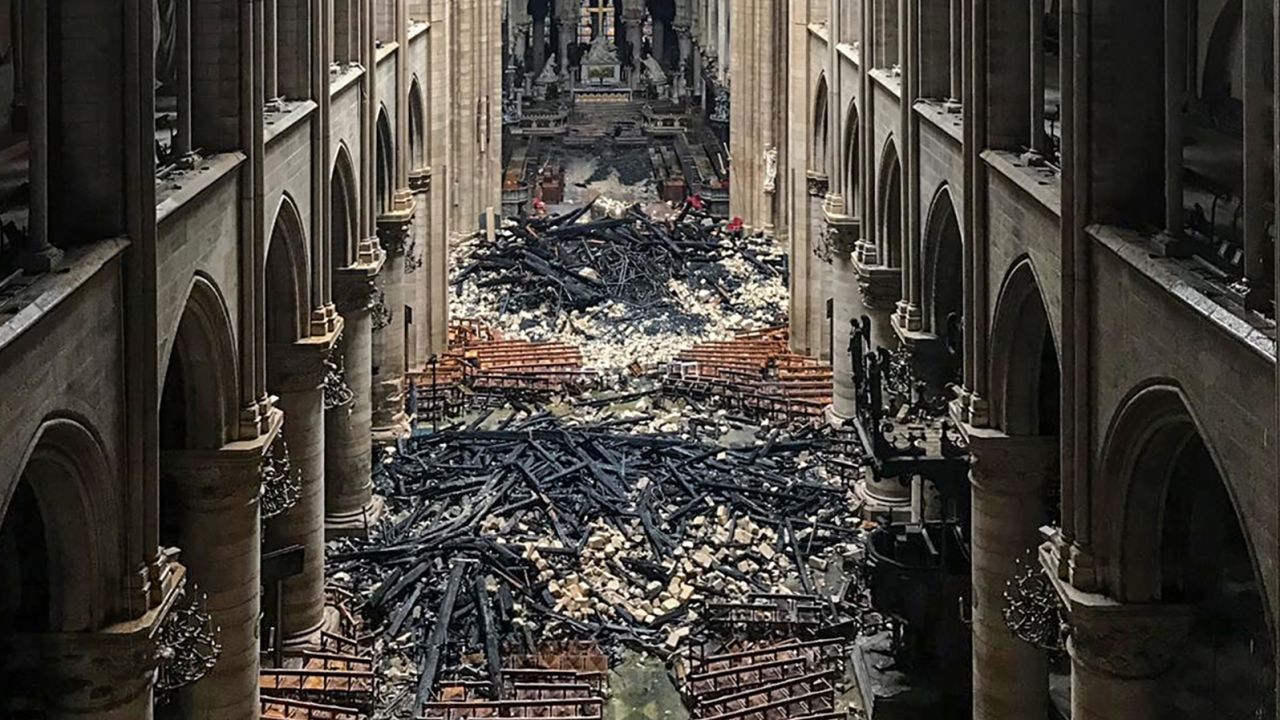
1025, 375
198, 395
417, 128
1181, 541
1025, 387
24, 567
890, 206
343, 216
384, 167
60, 555
944, 263
286, 274
819, 161
852, 170
25, 592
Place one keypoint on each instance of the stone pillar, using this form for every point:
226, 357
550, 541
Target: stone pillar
1119, 653
1175, 90
217, 492
40, 255
956, 62
686, 50
844, 297
1035, 33
296, 373
908, 317
567, 17
182, 57
722, 41
1254, 288
539, 42
105, 675
1009, 475
421, 291
879, 290
660, 41
635, 38
271, 49
349, 502
389, 420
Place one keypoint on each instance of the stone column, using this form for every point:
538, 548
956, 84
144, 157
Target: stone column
844, 296
879, 290
1035, 33
908, 316
421, 291
296, 373
105, 675
567, 12
635, 38
660, 41
1009, 475
538, 40
1175, 73
1119, 653
389, 420
217, 492
349, 502
685, 44
40, 255
956, 39
1254, 288
722, 40
182, 53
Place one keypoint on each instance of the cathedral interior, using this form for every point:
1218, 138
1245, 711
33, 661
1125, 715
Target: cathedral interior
654, 359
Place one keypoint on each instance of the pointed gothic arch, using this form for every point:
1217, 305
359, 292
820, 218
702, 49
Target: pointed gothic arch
1025, 367
287, 275
344, 209
889, 232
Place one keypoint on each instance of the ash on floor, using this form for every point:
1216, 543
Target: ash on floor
732, 284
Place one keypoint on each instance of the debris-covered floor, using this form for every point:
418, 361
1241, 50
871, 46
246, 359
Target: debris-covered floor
620, 500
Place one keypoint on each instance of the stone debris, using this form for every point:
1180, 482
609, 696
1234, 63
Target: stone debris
527, 526
624, 288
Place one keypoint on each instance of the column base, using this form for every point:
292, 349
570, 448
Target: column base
355, 524
834, 417
884, 496
389, 434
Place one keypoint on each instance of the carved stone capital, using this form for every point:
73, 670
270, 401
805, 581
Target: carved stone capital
223, 478
107, 673
393, 230
881, 286
845, 231
1128, 641
353, 286
1124, 640
1008, 465
817, 183
300, 365
420, 181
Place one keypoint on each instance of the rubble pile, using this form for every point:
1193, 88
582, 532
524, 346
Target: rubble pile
621, 288
523, 527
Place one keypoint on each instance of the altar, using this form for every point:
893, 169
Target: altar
600, 75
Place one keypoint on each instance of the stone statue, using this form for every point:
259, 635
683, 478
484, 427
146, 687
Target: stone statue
654, 73
548, 74
720, 112
602, 52
771, 169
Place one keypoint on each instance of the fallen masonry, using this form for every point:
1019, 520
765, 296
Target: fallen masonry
524, 530
621, 288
